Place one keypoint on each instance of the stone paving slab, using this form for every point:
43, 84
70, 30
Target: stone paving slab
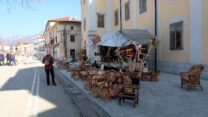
157, 99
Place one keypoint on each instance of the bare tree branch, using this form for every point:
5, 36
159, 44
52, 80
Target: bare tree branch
23, 3
11, 4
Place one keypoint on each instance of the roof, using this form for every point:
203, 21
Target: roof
75, 22
125, 37
63, 19
24, 42
3, 44
41, 36
69, 18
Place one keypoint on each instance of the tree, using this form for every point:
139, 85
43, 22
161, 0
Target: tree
10, 4
22, 3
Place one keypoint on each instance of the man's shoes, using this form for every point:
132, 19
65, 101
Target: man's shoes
54, 84
48, 84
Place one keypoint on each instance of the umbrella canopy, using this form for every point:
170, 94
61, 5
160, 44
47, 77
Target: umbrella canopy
125, 37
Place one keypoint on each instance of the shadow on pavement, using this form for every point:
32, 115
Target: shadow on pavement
52, 95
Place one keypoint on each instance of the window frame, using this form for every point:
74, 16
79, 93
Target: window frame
175, 40
141, 9
100, 20
127, 10
72, 39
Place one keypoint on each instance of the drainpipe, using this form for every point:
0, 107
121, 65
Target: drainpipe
121, 15
155, 34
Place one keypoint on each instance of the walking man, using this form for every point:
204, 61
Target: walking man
48, 60
12, 59
8, 58
2, 59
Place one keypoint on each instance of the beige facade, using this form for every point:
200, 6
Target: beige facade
92, 8
192, 15
205, 30
4, 47
137, 20
12, 48
65, 36
170, 12
115, 7
101, 8
23, 48
50, 23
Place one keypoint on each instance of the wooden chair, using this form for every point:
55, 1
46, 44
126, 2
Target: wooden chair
192, 77
129, 92
134, 96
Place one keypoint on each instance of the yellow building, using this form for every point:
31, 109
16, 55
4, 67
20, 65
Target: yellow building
182, 27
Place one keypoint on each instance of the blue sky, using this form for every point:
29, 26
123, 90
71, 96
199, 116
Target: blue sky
26, 21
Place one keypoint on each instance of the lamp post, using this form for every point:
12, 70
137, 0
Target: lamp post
155, 34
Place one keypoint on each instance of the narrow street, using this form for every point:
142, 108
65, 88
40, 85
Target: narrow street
24, 93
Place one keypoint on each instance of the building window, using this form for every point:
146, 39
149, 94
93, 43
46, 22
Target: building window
72, 39
100, 21
84, 24
142, 6
56, 39
176, 35
116, 17
127, 10
72, 27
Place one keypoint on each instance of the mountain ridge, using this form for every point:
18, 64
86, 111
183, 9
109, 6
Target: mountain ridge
14, 39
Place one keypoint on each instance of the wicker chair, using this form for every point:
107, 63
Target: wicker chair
192, 77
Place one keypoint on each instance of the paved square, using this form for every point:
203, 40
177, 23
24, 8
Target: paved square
159, 99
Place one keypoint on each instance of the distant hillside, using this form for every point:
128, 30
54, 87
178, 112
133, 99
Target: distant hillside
14, 39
